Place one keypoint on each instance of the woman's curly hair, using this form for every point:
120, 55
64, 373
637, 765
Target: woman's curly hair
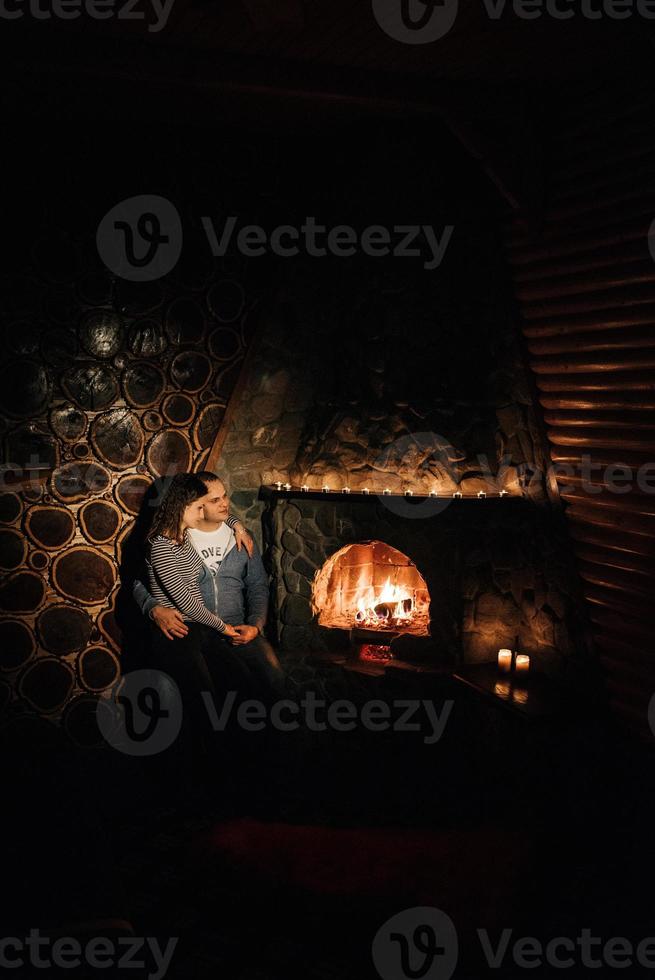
184, 489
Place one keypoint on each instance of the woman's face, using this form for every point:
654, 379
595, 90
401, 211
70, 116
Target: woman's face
193, 513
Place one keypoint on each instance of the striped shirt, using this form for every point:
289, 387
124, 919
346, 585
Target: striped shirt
173, 578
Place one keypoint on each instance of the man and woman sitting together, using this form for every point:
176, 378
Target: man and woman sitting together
207, 598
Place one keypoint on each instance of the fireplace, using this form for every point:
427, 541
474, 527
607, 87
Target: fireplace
370, 585
371, 390
454, 585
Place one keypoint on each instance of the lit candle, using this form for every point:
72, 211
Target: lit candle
482, 494
386, 491
304, 488
522, 663
433, 493
287, 486
346, 490
504, 661
325, 488
458, 494
366, 490
503, 493
409, 493
278, 484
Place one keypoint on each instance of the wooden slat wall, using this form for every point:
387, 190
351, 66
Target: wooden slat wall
585, 284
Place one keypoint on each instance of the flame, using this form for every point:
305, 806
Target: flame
398, 604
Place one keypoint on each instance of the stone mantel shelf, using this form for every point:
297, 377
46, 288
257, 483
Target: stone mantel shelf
270, 492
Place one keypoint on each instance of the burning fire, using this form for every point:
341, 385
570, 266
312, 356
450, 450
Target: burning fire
390, 606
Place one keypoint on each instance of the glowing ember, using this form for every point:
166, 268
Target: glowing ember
376, 652
392, 605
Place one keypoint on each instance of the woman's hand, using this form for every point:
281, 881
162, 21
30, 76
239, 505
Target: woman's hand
230, 632
170, 622
244, 538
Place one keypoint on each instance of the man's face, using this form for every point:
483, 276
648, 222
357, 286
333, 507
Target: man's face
216, 505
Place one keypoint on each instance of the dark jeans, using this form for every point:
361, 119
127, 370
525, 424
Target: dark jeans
263, 675
207, 668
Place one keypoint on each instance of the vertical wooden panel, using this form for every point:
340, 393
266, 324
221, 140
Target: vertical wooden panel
586, 290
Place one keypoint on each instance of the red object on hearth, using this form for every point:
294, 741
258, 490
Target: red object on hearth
375, 651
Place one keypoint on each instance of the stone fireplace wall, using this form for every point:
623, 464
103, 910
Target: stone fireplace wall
375, 372
398, 380
495, 571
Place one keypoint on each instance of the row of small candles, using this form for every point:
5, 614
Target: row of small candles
507, 660
386, 492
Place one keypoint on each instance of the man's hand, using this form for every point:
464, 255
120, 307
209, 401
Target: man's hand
245, 634
231, 633
243, 538
170, 622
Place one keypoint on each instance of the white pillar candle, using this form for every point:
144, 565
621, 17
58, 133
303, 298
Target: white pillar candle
458, 494
278, 484
386, 491
504, 661
287, 486
433, 493
325, 488
522, 663
482, 494
409, 493
304, 488
366, 490
346, 490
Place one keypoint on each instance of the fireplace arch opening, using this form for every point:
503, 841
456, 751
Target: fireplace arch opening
370, 585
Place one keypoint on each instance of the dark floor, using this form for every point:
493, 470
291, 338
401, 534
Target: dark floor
498, 824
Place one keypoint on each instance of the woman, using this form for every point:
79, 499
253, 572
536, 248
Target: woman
173, 566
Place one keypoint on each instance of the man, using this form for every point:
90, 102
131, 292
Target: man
234, 586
